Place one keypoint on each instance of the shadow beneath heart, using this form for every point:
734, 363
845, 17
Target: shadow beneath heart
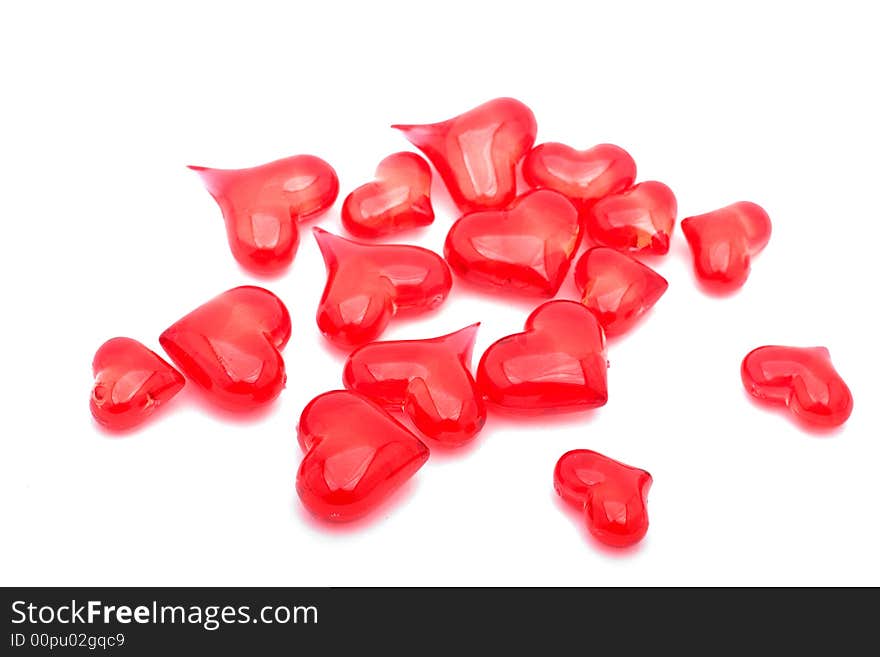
198, 399
439, 451
335, 351
577, 516
501, 418
378, 515
158, 417
680, 250
782, 411
526, 302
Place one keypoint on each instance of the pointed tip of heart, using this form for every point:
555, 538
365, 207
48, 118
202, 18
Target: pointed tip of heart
324, 238
328, 243
419, 134
212, 179
462, 341
205, 173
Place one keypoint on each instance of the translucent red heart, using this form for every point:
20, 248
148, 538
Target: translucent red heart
557, 364
613, 495
261, 206
723, 243
476, 153
638, 220
429, 380
356, 455
399, 198
582, 176
230, 347
802, 379
131, 383
617, 288
368, 284
525, 248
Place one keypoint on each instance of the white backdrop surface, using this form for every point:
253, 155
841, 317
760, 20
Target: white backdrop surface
106, 233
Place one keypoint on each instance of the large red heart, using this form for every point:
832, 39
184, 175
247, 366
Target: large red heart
613, 495
639, 219
557, 364
724, 241
398, 199
261, 206
429, 379
527, 247
367, 284
617, 288
356, 455
476, 153
230, 346
801, 378
131, 383
582, 176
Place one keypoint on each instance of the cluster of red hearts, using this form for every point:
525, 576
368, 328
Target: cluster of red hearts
356, 451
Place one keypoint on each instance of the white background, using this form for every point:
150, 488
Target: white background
105, 232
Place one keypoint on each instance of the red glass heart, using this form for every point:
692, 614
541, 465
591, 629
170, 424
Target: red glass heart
801, 378
428, 379
527, 247
617, 288
476, 153
368, 284
582, 176
613, 495
557, 364
356, 455
398, 199
262, 205
639, 220
230, 347
131, 383
724, 241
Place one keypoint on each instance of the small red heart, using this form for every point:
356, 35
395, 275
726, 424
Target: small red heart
368, 284
356, 455
639, 219
262, 205
131, 383
558, 363
476, 153
613, 495
527, 247
230, 347
582, 176
724, 241
801, 378
398, 199
429, 379
617, 288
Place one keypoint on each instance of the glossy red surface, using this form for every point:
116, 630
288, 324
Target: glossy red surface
131, 383
476, 153
356, 455
582, 176
557, 364
398, 199
639, 220
724, 241
230, 347
262, 205
801, 378
429, 379
617, 288
613, 495
527, 248
367, 284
